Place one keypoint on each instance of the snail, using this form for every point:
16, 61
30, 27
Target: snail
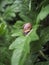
26, 28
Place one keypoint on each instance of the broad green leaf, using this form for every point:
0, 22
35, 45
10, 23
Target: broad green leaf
43, 13
17, 33
44, 36
33, 34
17, 43
21, 46
16, 57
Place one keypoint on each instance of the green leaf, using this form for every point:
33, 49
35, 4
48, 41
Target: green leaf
17, 29
17, 33
3, 27
43, 13
19, 41
44, 35
33, 34
33, 37
21, 46
18, 24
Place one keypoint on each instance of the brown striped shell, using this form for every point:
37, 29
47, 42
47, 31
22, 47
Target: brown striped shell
27, 27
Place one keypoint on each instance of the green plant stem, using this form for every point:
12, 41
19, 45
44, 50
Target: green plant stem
29, 33
43, 55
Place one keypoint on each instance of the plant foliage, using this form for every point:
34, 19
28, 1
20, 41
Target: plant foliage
17, 47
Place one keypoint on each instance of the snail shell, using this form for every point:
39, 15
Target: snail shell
27, 27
